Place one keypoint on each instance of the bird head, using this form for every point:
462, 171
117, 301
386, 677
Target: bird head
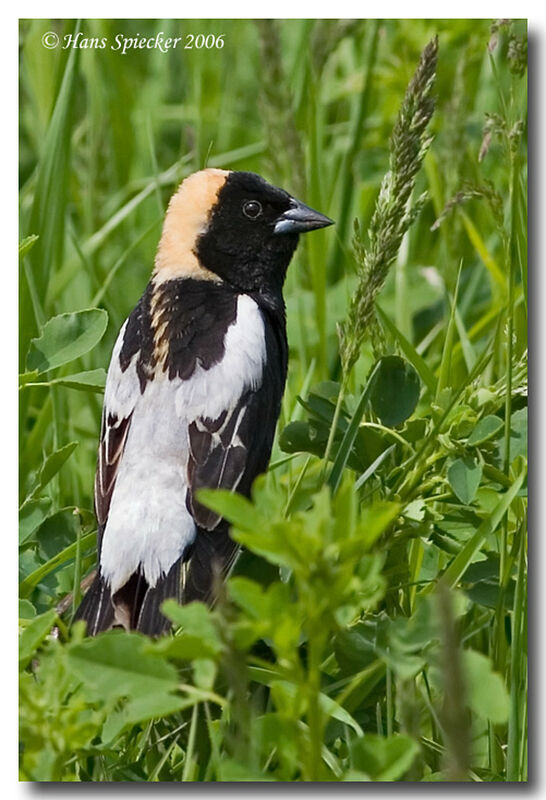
233, 227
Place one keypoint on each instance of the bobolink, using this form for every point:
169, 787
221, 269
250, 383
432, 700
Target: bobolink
192, 395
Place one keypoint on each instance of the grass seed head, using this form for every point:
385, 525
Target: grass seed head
394, 212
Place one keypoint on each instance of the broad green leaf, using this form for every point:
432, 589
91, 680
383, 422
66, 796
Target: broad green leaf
198, 637
425, 626
464, 476
376, 518
65, 338
303, 437
249, 596
485, 690
119, 664
26, 610
518, 434
31, 516
235, 508
33, 636
395, 390
141, 709
311, 436
481, 583
204, 673
383, 759
485, 429
417, 361
58, 531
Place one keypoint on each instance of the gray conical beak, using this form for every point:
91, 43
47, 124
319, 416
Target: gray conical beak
299, 218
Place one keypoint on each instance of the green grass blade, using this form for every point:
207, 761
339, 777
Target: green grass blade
347, 442
31, 581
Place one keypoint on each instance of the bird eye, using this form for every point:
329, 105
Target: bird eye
252, 209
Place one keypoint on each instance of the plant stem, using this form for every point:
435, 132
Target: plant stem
333, 426
314, 714
517, 666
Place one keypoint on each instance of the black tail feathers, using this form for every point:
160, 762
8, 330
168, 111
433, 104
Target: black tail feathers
96, 608
212, 556
150, 619
134, 607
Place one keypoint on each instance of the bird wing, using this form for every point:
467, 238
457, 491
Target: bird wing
120, 398
230, 451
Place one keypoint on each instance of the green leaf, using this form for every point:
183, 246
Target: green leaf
51, 467
31, 516
233, 507
486, 693
417, 361
26, 610
376, 518
464, 476
383, 759
58, 531
518, 434
395, 390
65, 338
118, 664
204, 673
481, 583
290, 691
33, 636
303, 437
485, 429
27, 585
198, 637
141, 709
463, 559
249, 596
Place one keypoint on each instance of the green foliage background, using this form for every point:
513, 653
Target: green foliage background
375, 627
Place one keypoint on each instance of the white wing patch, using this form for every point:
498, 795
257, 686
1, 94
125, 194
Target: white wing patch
148, 523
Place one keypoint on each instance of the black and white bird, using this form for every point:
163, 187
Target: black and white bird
192, 396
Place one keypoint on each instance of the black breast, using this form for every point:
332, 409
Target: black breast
176, 326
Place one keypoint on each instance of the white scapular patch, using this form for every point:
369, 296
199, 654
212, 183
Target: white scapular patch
148, 523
